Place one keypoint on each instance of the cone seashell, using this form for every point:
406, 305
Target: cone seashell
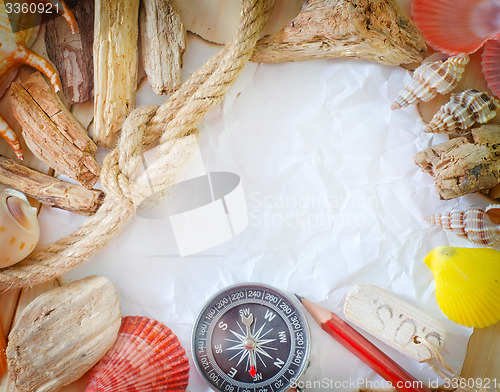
19, 229
431, 79
478, 225
456, 26
464, 110
467, 288
490, 65
147, 356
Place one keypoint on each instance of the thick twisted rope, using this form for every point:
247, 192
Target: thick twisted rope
170, 127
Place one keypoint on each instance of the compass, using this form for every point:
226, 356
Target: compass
251, 338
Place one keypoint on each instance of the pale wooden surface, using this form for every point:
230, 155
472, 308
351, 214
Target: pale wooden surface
483, 354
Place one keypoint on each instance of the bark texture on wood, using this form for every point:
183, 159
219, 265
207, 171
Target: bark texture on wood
460, 167
52, 133
49, 190
374, 30
62, 333
163, 38
116, 55
72, 53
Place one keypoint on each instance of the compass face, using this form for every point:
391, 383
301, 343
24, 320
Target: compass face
251, 338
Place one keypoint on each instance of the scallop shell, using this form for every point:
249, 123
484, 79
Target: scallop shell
478, 225
463, 110
467, 288
431, 79
147, 356
456, 26
490, 65
19, 229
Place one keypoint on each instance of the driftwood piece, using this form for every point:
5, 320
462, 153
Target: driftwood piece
62, 333
116, 55
393, 321
460, 167
72, 53
52, 133
17, 303
373, 30
49, 190
163, 38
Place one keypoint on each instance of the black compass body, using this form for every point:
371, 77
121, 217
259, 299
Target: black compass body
251, 338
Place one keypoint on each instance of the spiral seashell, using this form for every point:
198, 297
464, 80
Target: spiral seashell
478, 225
464, 110
147, 356
19, 229
432, 78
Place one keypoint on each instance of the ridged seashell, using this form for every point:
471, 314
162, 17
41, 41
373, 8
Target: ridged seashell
467, 288
456, 26
147, 356
431, 79
19, 229
464, 110
490, 65
478, 225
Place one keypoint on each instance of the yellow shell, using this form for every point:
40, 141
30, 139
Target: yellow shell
467, 284
19, 229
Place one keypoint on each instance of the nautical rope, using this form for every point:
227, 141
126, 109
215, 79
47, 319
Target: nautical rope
436, 355
170, 127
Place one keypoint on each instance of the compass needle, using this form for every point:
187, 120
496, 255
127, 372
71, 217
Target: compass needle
250, 337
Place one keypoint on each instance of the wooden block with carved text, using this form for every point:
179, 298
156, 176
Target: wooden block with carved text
393, 321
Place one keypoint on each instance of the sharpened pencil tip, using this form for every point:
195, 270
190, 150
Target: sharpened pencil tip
299, 297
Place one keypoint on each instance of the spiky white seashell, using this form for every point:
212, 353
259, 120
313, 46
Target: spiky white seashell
431, 79
480, 226
464, 110
19, 229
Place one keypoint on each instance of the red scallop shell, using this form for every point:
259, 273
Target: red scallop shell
491, 65
456, 26
147, 356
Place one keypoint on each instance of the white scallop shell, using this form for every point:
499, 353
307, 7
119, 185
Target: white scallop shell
464, 110
478, 225
431, 79
19, 229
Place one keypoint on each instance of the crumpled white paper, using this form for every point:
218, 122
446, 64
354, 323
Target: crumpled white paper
333, 199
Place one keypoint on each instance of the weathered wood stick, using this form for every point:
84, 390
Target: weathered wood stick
460, 167
373, 30
163, 39
52, 133
393, 321
116, 32
72, 53
49, 190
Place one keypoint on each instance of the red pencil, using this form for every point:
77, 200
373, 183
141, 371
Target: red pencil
363, 349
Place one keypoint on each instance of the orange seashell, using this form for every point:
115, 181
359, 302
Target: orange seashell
456, 26
432, 78
147, 356
491, 65
14, 52
464, 110
480, 226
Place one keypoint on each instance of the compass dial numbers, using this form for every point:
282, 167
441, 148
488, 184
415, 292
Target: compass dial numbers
251, 339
